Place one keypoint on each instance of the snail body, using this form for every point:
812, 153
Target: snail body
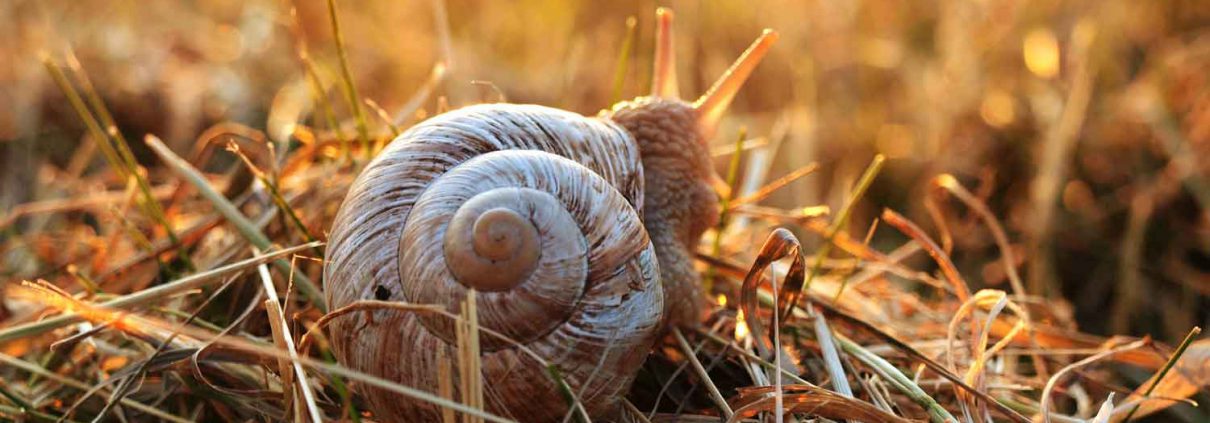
575, 232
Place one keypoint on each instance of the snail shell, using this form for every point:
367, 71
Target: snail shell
544, 214
535, 208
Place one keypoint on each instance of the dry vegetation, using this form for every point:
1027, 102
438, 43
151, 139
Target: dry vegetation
1045, 185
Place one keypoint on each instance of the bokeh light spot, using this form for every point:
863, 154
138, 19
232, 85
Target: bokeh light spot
1041, 52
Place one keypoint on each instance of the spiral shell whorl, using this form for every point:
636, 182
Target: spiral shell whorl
596, 326
525, 183
493, 245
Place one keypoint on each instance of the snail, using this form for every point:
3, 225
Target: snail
576, 234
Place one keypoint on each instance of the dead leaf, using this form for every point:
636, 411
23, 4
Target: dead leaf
810, 400
1190, 373
780, 244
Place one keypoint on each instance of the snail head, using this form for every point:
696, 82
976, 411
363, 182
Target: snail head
673, 134
681, 187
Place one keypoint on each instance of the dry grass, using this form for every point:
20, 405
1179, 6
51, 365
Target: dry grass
1044, 186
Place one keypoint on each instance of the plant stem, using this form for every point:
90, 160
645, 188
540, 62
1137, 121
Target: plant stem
859, 190
351, 95
1164, 371
147, 295
233, 215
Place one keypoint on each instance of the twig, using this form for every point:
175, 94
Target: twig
701, 373
910, 229
1054, 379
469, 360
770, 188
936, 412
282, 335
750, 356
716, 244
383, 116
634, 411
1164, 371
949, 183
863, 184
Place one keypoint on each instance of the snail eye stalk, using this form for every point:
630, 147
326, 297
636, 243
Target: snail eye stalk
663, 79
713, 104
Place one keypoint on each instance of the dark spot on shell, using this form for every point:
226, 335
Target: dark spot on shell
382, 293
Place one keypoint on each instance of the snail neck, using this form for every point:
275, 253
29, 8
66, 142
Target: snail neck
678, 173
675, 231
679, 203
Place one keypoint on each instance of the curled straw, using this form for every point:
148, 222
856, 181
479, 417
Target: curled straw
779, 245
852, 348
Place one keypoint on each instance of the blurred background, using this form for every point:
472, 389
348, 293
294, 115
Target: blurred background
1084, 125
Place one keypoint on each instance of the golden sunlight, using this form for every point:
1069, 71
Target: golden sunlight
741, 327
1041, 52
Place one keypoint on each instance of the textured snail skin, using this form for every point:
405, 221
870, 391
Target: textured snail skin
679, 202
606, 197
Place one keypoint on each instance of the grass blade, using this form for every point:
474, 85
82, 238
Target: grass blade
350, 87
233, 215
